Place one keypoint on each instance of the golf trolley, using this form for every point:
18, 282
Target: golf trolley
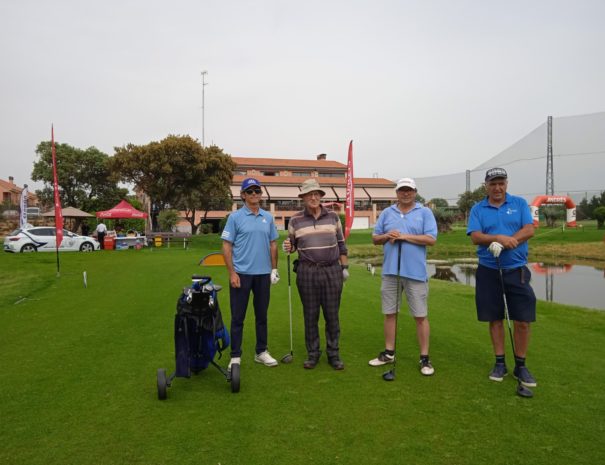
199, 333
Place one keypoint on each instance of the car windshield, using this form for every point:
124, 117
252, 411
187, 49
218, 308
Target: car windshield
15, 232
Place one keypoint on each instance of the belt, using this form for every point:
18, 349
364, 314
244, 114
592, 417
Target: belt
319, 264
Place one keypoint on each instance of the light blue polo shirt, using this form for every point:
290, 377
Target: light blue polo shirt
507, 219
420, 220
250, 235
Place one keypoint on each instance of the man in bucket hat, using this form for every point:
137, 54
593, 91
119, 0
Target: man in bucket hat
250, 254
322, 267
500, 225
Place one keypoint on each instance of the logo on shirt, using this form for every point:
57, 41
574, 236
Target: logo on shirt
225, 235
510, 211
264, 220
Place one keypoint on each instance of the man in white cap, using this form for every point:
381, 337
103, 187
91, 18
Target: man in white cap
250, 254
404, 230
316, 234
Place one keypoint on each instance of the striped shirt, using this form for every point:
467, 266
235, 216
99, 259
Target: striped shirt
318, 240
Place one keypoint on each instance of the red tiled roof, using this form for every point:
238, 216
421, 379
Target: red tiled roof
277, 163
9, 186
298, 180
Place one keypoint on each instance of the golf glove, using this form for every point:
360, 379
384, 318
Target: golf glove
345, 274
274, 276
495, 248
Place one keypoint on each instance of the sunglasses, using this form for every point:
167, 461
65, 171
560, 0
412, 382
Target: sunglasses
253, 191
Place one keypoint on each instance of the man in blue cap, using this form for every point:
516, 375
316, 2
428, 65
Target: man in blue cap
500, 225
250, 254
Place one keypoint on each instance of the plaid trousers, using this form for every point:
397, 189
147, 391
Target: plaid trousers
320, 286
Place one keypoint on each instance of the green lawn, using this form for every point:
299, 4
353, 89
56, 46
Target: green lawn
79, 366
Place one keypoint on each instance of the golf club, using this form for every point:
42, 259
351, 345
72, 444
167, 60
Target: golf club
521, 390
390, 375
289, 357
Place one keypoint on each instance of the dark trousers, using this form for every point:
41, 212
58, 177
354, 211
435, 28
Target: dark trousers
101, 239
320, 286
259, 285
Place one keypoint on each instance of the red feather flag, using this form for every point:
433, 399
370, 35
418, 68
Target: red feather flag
350, 194
58, 212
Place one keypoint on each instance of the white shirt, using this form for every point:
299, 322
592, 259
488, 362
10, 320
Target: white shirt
101, 228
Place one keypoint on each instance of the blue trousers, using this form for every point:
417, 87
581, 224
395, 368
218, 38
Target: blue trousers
259, 285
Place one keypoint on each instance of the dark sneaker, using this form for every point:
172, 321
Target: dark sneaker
426, 368
499, 372
523, 375
310, 363
336, 363
382, 359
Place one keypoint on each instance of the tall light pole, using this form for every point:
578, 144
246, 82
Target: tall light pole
204, 84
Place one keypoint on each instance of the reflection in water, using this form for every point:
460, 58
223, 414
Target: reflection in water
568, 284
445, 273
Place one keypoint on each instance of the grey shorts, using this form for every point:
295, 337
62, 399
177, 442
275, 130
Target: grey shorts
416, 293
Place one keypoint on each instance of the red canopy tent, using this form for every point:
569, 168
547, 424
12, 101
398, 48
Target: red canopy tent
122, 210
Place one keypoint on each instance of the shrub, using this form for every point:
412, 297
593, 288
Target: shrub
168, 219
599, 214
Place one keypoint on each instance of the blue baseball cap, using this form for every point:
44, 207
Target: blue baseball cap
249, 182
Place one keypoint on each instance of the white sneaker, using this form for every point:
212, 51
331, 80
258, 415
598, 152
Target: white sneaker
426, 368
232, 361
266, 359
382, 359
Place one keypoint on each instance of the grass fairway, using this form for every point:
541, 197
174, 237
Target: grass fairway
78, 377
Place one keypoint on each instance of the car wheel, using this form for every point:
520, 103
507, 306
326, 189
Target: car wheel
29, 248
86, 247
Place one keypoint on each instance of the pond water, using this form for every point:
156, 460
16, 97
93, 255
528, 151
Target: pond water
567, 284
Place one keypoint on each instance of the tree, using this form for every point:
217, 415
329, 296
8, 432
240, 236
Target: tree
552, 213
444, 219
176, 172
599, 215
83, 177
468, 199
582, 210
212, 189
439, 203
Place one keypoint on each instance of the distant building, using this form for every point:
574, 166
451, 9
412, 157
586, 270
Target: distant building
11, 194
281, 177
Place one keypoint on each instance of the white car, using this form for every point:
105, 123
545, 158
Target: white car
43, 239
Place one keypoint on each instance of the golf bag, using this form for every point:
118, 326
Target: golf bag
199, 332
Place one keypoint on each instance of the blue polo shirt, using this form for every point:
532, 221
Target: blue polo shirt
418, 221
251, 235
507, 219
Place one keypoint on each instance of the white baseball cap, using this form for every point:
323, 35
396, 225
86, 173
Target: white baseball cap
406, 182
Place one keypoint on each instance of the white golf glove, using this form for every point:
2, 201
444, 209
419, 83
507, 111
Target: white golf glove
274, 276
495, 248
345, 274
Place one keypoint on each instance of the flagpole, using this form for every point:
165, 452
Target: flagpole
350, 194
57, 199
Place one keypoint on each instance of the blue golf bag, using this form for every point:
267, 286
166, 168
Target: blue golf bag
199, 332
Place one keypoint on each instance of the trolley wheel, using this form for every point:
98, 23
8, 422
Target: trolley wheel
235, 377
162, 384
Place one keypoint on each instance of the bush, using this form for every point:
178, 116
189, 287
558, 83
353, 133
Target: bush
168, 219
599, 214
222, 223
205, 228
444, 219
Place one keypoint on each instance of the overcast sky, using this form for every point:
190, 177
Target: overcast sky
422, 87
